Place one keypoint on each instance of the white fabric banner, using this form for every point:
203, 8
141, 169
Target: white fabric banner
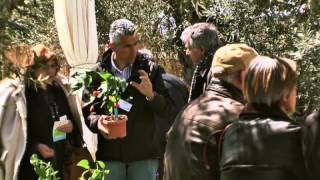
77, 31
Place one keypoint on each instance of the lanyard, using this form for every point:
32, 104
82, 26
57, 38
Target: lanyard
53, 107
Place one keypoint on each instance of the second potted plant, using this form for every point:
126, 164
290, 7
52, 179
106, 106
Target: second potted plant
104, 91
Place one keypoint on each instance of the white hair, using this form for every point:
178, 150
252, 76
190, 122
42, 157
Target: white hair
201, 36
120, 28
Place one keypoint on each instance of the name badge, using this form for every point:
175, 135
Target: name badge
56, 134
124, 105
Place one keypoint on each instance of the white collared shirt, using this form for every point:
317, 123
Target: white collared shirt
125, 73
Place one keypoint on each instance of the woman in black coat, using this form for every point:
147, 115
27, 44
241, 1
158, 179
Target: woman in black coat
51, 123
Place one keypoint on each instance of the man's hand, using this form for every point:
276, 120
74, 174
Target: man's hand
145, 87
45, 151
103, 120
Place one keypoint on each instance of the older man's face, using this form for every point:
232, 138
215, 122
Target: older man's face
126, 50
195, 54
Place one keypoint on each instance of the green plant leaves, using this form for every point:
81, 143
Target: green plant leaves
101, 85
101, 164
96, 174
99, 173
84, 164
105, 76
43, 169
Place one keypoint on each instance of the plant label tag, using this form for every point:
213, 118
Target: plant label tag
124, 105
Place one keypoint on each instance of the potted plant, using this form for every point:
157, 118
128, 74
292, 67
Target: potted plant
43, 169
104, 90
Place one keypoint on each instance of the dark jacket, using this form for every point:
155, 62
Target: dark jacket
141, 141
311, 139
178, 93
191, 151
200, 78
264, 144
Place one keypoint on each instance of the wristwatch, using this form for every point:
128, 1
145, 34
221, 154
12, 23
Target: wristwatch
151, 99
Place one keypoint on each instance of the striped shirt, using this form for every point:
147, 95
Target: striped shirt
125, 73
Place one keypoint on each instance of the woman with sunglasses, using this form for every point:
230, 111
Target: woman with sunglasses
49, 124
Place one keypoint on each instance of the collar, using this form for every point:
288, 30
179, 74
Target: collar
107, 63
205, 65
252, 110
226, 89
114, 66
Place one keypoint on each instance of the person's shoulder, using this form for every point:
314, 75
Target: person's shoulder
212, 108
175, 80
9, 83
8, 87
312, 118
146, 54
146, 61
145, 57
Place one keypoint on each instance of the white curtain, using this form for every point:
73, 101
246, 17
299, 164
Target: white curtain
77, 31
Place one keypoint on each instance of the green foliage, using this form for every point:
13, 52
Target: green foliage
272, 30
27, 22
7, 5
98, 173
309, 80
43, 169
314, 5
102, 85
284, 28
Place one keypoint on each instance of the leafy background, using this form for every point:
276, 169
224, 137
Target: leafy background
287, 28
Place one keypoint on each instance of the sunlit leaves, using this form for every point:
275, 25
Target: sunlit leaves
101, 85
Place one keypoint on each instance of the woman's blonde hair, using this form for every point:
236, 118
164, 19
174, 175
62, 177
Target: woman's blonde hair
269, 80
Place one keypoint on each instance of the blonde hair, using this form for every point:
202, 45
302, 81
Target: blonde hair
269, 80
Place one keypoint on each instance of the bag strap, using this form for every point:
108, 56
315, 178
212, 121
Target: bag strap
218, 135
221, 138
205, 149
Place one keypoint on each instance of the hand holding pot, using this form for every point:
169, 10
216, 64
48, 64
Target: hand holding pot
112, 127
104, 131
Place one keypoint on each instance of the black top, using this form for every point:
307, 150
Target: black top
44, 106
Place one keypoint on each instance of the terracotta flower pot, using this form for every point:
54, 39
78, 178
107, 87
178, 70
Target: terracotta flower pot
117, 127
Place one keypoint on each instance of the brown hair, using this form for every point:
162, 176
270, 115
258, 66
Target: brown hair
42, 55
269, 79
30, 57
